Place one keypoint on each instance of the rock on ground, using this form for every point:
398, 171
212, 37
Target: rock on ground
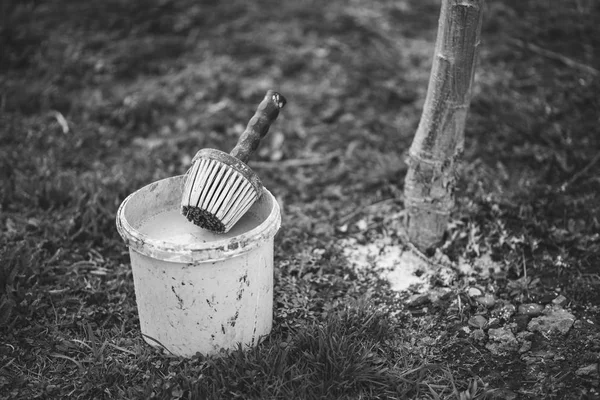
531, 309
501, 341
588, 370
556, 321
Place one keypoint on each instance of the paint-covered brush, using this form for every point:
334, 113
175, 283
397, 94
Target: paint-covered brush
220, 187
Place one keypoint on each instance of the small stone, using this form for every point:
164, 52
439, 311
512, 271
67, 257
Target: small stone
560, 300
501, 334
551, 308
504, 311
502, 341
418, 300
588, 370
477, 321
503, 394
547, 298
474, 292
494, 323
488, 300
525, 347
531, 309
478, 335
556, 321
463, 332
525, 335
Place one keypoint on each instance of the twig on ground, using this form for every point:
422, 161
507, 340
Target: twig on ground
585, 169
569, 62
62, 121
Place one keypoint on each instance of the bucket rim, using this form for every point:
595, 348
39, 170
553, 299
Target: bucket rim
212, 251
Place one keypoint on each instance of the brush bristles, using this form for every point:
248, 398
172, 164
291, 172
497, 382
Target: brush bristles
203, 219
216, 196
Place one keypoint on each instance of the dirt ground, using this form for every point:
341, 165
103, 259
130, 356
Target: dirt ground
99, 99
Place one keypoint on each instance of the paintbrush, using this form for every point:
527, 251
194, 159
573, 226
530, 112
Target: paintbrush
220, 187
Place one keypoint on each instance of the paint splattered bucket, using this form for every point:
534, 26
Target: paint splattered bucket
197, 291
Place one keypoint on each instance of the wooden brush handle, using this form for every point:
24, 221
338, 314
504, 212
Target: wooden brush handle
258, 126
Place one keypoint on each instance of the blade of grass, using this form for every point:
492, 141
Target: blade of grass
122, 349
159, 343
79, 365
83, 343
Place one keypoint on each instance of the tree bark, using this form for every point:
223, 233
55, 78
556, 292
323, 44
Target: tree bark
438, 143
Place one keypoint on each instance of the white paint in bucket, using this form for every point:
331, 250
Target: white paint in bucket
197, 291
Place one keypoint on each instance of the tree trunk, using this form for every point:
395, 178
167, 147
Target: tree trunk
438, 143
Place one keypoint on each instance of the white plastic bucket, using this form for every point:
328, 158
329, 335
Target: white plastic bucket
197, 291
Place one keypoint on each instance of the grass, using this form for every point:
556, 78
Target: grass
99, 100
350, 352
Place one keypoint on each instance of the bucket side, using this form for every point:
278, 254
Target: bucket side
207, 307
